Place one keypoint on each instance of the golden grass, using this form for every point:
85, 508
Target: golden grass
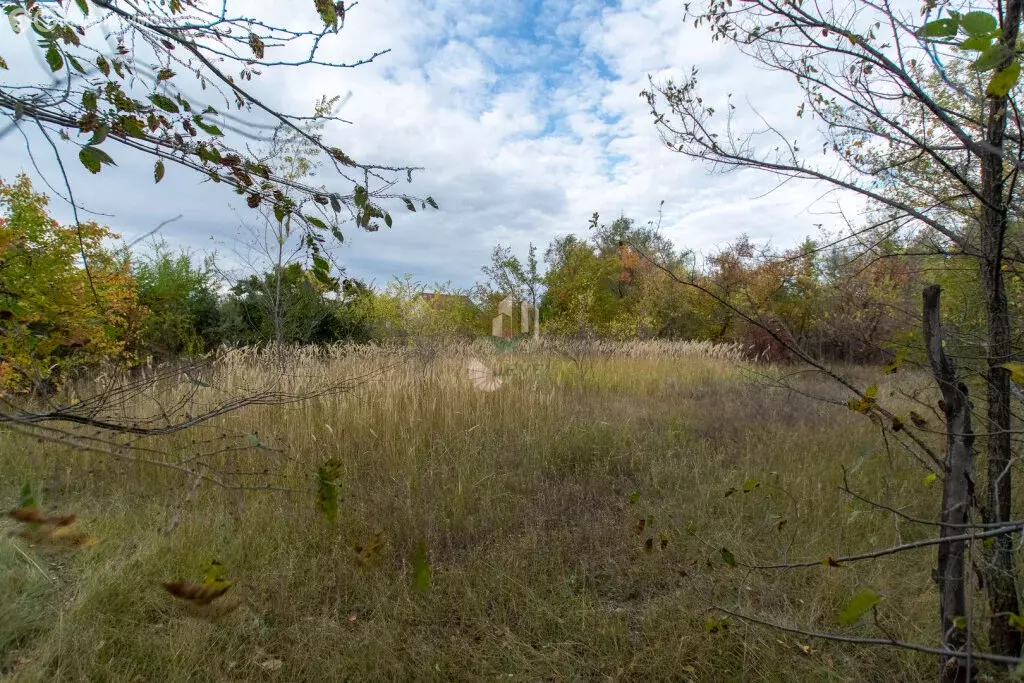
528, 499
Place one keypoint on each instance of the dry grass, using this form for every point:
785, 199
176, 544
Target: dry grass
528, 499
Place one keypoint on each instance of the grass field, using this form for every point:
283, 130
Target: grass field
528, 501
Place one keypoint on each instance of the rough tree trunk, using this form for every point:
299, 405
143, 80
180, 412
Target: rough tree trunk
1000, 580
957, 489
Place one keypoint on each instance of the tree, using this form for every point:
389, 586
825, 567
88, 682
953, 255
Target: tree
55, 316
184, 311
862, 70
508, 276
155, 77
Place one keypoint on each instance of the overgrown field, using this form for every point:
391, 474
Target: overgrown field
528, 501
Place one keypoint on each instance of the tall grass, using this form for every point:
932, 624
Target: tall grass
528, 500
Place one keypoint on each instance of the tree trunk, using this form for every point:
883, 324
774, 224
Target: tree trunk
1000, 579
956, 492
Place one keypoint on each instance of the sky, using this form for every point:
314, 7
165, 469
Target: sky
525, 116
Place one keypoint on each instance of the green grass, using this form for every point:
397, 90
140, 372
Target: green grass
528, 500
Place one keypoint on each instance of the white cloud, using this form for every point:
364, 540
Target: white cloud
525, 126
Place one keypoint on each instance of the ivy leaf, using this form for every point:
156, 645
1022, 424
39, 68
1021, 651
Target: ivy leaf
256, 45
164, 102
857, 605
54, 58
1004, 80
978, 24
728, 557
940, 28
158, 171
93, 158
421, 569
992, 58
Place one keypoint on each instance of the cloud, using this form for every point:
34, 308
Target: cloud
525, 116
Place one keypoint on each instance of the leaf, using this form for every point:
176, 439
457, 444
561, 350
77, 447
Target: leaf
1016, 622
976, 44
3, 63
84, 6
857, 605
99, 135
387, 219
103, 65
93, 158
409, 205
27, 498
256, 45
978, 24
431, 202
930, 479
214, 573
959, 622
728, 557
208, 127
1003, 81
328, 12
872, 391
89, 100
327, 489
165, 74
164, 102
634, 497
940, 28
313, 220
158, 171
75, 64
992, 58
335, 203
750, 484
421, 569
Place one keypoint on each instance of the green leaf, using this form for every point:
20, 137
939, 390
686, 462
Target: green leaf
280, 211
728, 557
421, 569
313, 220
27, 498
978, 24
335, 203
208, 127
54, 58
1004, 80
99, 135
976, 44
750, 484
872, 391
103, 65
940, 28
857, 605
634, 497
960, 622
321, 264
992, 58
89, 100
165, 74
1015, 622
360, 196
716, 625
164, 102
158, 171
3, 64
327, 489
409, 205
930, 479
75, 64
84, 6
387, 219
93, 158
328, 12
431, 202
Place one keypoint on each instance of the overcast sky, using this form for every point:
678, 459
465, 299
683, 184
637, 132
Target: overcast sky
525, 115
